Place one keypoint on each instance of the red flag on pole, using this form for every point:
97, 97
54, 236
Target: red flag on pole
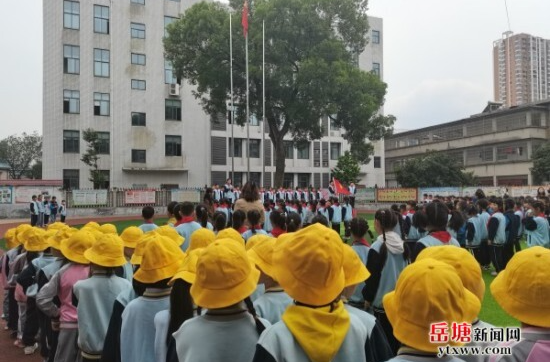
339, 188
244, 19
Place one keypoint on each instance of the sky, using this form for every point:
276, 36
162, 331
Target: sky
437, 57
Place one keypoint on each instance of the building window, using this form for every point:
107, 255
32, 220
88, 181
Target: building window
71, 142
377, 162
138, 59
139, 156
335, 150
101, 19
137, 30
138, 119
289, 149
169, 77
101, 62
71, 15
303, 151
288, 180
71, 101
254, 121
172, 109
167, 21
376, 68
141, 2
254, 149
103, 143
237, 150
138, 84
375, 37
71, 179
71, 59
172, 145
101, 104
303, 180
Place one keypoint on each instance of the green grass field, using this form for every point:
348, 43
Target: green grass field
490, 311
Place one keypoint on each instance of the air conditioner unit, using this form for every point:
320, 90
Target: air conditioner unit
174, 89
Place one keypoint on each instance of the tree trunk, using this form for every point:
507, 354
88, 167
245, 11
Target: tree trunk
279, 149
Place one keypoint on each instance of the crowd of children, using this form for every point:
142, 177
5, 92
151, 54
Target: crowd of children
219, 285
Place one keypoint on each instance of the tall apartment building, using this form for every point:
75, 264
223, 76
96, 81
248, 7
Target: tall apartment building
521, 66
104, 69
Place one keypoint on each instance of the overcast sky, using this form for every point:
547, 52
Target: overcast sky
437, 57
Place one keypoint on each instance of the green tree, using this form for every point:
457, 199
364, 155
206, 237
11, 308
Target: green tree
541, 164
19, 152
91, 158
35, 171
310, 69
347, 169
433, 169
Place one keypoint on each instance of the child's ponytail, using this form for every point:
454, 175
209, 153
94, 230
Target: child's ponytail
202, 215
181, 307
250, 306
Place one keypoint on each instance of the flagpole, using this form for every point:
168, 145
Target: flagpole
232, 110
263, 103
247, 113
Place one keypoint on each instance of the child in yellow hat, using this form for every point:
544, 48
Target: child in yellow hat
94, 297
355, 274
38, 257
437, 288
130, 237
523, 291
229, 329
48, 337
61, 286
10, 305
182, 307
386, 259
161, 260
273, 302
309, 265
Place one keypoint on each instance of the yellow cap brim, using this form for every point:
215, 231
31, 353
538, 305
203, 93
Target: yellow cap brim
261, 263
153, 276
72, 256
104, 260
220, 298
38, 247
136, 259
418, 336
184, 275
538, 316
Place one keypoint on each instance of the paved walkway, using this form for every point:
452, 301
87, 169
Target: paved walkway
6, 224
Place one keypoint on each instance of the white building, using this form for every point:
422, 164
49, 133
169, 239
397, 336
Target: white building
104, 69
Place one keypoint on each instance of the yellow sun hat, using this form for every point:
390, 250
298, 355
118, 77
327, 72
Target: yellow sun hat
108, 229
467, 267
20, 233
258, 238
428, 291
224, 276
130, 236
92, 224
36, 240
523, 288
232, 234
95, 232
162, 259
60, 235
137, 256
201, 238
171, 233
108, 251
355, 271
309, 265
11, 240
74, 247
57, 226
188, 270
262, 255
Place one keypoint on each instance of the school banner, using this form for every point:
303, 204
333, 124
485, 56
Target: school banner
89, 197
193, 196
5, 195
425, 194
365, 196
23, 194
517, 191
396, 195
139, 197
488, 190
